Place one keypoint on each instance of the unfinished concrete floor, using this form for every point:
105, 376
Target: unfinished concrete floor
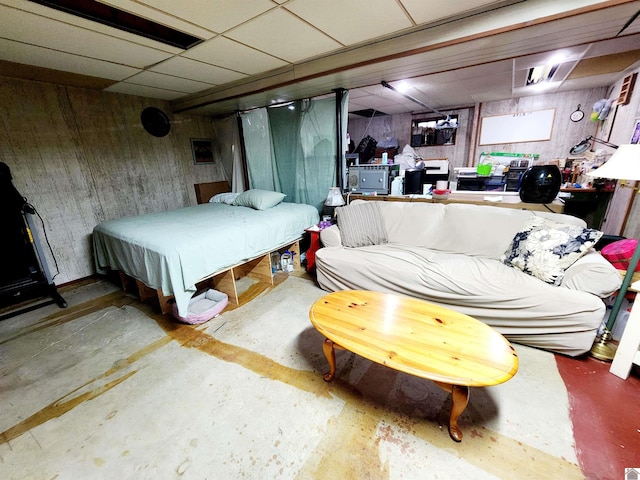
108, 388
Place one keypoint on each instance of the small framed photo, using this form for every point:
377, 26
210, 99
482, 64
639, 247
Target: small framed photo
635, 137
202, 150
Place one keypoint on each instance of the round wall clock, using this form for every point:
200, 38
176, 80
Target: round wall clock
155, 121
577, 115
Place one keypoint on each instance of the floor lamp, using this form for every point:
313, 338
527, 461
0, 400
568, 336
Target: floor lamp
624, 164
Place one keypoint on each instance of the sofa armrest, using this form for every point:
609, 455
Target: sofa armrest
593, 274
330, 237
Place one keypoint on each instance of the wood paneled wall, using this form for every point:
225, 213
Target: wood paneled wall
623, 214
81, 156
466, 151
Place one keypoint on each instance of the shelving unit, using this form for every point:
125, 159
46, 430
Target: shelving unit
627, 88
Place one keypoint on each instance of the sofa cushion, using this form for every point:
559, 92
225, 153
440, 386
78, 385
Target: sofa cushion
361, 225
478, 230
592, 273
545, 249
517, 305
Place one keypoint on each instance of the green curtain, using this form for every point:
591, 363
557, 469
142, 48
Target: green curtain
292, 149
284, 122
317, 173
256, 135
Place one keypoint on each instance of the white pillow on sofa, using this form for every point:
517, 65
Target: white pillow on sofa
545, 249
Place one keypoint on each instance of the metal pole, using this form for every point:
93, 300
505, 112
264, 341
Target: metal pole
339, 137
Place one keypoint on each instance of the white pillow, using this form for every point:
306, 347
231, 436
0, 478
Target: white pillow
259, 199
226, 197
545, 249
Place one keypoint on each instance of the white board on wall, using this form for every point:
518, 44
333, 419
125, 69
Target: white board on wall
517, 127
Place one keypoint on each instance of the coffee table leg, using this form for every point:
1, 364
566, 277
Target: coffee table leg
330, 353
460, 397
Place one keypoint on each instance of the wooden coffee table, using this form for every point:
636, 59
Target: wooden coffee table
412, 336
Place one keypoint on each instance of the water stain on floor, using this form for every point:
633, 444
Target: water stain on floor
350, 448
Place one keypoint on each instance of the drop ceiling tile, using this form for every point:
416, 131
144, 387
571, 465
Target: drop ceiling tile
487, 82
491, 96
401, 108
616, 45
43, 57
355, 106
590, 82
538, 89
378, 102
201, 72
426, 82
281, 34
567, 54
605, 64
501, 67
227, 53
159, 80
357, 93
425, 12
144, 11
354, 21
45, 32
143, 91
215, 15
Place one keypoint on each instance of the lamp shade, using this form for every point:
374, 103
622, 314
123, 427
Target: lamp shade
334, 198
624, 164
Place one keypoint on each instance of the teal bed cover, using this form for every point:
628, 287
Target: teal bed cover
173, 250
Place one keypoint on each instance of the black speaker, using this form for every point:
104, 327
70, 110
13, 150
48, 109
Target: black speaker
540, 184
412, 181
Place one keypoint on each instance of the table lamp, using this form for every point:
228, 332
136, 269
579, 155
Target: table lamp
624, 164
334, 199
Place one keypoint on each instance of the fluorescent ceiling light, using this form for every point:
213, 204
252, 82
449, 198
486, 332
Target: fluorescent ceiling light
107, 15
541, 73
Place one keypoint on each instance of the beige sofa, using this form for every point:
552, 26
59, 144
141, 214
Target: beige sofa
453, 255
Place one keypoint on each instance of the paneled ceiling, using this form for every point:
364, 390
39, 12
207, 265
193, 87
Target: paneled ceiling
259, 52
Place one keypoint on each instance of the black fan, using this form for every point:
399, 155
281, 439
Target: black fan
540, 184
155, 121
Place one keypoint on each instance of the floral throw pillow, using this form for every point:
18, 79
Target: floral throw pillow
545, 249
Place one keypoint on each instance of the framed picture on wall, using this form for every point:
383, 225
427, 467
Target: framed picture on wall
202, 150
635, 137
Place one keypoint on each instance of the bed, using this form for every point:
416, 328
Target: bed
172, 253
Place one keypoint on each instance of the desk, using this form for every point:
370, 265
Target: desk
508, 200
590, 204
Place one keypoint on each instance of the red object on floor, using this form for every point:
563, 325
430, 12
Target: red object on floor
605, 411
